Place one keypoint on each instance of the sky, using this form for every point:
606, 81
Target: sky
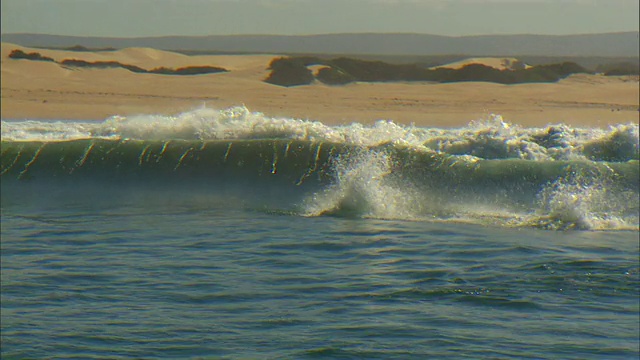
136, 18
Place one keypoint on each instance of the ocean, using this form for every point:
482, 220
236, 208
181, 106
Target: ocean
228, 234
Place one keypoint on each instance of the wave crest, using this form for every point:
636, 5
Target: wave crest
492, 138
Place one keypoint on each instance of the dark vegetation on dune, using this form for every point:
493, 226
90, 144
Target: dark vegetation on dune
621, 68
80, 48
101, 65
189, 70
291, 71
19, 54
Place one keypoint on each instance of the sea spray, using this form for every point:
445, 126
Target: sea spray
585, 202
620, 143
364, 186
208, 124
490, 139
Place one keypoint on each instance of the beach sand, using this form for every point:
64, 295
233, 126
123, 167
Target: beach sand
46, 90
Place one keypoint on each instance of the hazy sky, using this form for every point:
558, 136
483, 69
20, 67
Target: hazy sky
129, 18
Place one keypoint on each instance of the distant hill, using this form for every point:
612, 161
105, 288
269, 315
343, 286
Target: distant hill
624, 44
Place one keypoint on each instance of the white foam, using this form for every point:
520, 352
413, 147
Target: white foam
585, 202
362, 188
45, 130
491, 138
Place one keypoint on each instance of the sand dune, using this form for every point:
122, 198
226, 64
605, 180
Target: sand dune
148, 58
32, 89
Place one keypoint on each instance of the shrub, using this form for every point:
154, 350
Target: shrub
80, 48
622, 71
293, 71
477, 72
19, 54
77, 48
533, 75
563, 69
622, 68
333, 76
518, 65
289, 72
101, 65
364, 70
162, 71
190, 70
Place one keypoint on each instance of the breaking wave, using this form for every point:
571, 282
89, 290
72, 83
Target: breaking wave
490, 172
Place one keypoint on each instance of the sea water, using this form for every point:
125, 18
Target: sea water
230, 234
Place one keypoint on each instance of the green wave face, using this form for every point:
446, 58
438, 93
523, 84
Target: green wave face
177, 159
314, 178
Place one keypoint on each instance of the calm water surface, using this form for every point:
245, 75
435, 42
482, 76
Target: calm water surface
186, 281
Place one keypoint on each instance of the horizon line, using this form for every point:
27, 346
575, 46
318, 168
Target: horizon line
321, 34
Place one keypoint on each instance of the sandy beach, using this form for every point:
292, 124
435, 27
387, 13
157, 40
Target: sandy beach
46, 90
